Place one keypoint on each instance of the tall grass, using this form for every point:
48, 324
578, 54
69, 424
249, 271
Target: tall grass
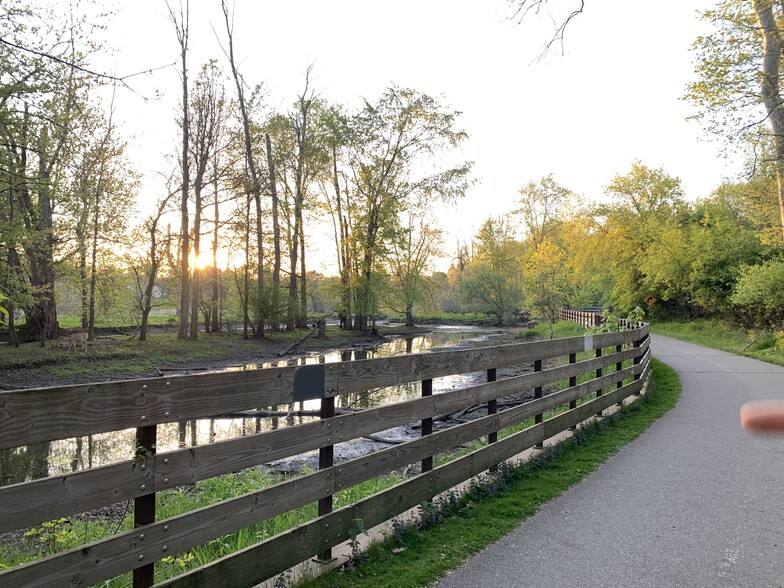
64, 534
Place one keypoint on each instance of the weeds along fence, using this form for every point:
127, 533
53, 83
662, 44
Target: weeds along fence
589, 374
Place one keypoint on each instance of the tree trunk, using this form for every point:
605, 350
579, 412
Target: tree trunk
275, 301
260, 264
301, 130
148, 291
196, 274
93, 265
144, 324
255, 188
13, 268
245, 277
769, 91
302, 320
82, 244
365, 298
293, 305
41, 323
409, 315
182, 331
216, 325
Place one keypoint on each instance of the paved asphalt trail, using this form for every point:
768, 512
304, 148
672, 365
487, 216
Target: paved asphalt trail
694, 501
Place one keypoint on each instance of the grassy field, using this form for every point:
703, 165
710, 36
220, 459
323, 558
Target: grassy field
762, 345
451, 530
104, 322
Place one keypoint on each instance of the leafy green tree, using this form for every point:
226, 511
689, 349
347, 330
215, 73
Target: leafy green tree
757, 295
541, 206
409, 257
546, 282
590, 282
641, 237
45, 95
146, 263
101, 191
401, 133
383, 160
722, 239
738, 88
209, 111
251, 179
301, 140
334, 183
492, 281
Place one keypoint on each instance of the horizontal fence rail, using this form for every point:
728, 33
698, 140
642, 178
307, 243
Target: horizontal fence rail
610, 368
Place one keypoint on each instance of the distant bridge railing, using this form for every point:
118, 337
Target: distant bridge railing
583, 375
586, 316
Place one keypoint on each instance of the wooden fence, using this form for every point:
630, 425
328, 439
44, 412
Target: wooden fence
609, 367
585, 316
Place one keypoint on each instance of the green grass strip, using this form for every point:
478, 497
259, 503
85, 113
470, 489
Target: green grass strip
459, 528
713, 333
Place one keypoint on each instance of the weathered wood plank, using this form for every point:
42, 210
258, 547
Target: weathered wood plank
110, 557
23, 505
74, 411
362, 375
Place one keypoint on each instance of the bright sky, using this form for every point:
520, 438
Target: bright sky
614, 96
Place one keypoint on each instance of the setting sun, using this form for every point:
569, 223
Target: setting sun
205, 260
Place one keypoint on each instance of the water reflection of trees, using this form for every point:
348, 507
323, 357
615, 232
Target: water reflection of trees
68, 455
21, 464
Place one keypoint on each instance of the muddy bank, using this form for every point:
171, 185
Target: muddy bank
20, 375
39, 368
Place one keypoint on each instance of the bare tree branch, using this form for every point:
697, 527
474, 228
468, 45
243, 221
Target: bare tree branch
97, 74
524, 7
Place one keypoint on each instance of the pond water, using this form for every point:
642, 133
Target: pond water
68, 455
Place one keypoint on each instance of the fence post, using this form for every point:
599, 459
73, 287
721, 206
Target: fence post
492, 406
326, 460
538, 394
572, 384
599, 375
637, 344
618, 368
144, 506
427, 424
